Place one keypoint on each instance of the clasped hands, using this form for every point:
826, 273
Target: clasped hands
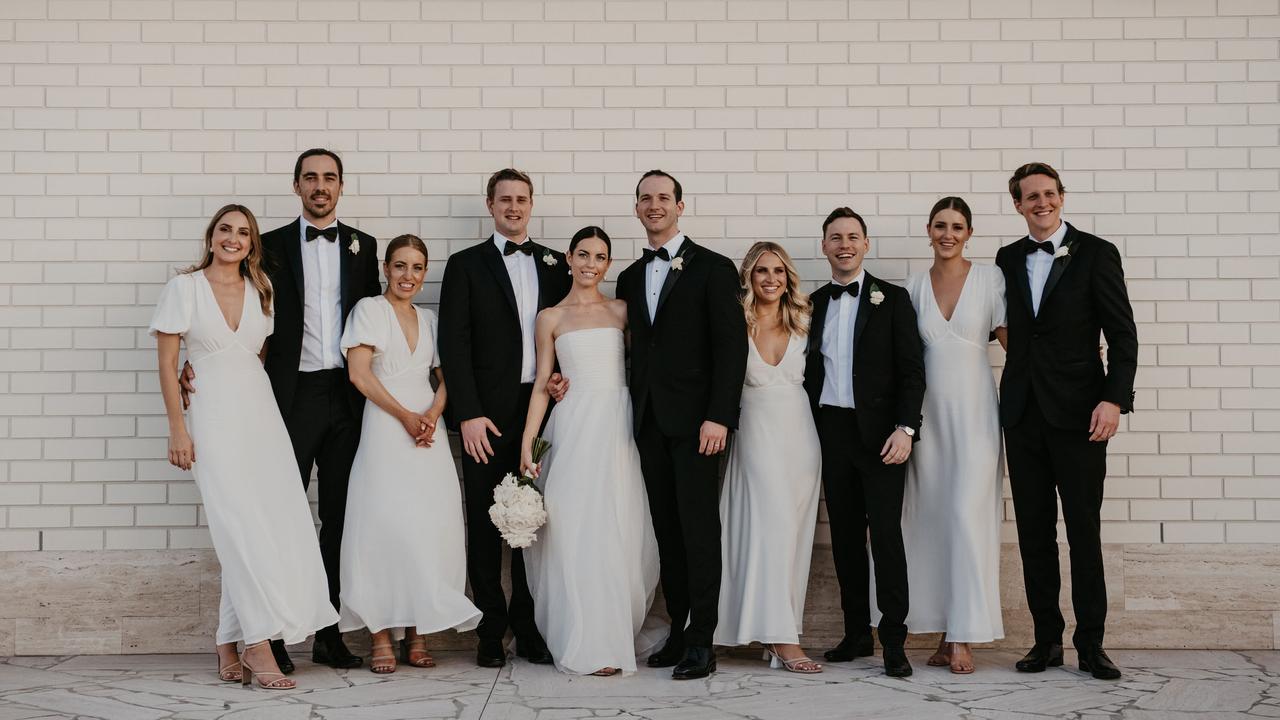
420, 426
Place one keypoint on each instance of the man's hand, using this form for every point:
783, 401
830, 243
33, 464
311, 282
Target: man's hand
897, 448
475, 438
557, 386
1105, 421
186, 380
712, 437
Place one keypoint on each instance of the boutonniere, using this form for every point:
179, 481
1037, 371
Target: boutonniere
1064, 250
549, 258
677, 263
355, 244
875, 295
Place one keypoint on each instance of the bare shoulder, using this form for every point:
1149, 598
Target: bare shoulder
618, 309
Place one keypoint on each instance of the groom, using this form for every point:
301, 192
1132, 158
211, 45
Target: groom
1059, 407
490, 297
865, 378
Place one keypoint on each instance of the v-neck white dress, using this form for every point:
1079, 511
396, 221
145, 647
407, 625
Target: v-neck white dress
951, 509
273, 581
403, 553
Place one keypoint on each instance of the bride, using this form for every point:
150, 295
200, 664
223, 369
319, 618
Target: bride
593, 570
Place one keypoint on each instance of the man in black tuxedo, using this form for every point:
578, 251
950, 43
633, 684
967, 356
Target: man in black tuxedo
1059, 406
490, 298
865, 377
688, 361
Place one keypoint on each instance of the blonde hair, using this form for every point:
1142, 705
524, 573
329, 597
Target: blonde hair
251, 265
794, 307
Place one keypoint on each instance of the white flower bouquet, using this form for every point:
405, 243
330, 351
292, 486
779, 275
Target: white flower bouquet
517, 509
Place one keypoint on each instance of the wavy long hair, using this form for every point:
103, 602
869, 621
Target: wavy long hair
794, 306
251, 265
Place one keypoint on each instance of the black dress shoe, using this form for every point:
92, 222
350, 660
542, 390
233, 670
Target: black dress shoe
851, 648
896, 663
669, 656
283, 661
698, 662
1094, 660
489, 654
333, 652
1039, 657
534, 651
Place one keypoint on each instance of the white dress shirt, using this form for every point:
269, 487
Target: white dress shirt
1039, 263
656, 274
837, 346
321, 301
524, 281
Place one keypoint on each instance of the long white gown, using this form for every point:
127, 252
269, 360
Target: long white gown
594, 567
769, 504
403, 550
273, 581
951, 510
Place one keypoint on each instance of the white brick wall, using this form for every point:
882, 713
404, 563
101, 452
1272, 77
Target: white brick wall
124, 123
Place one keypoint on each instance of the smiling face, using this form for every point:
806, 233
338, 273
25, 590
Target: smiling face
319, 185
948, 232
657, 208
231, 239
845, 244
768, 279
1040, 206
589, 261
405, 272
511, 208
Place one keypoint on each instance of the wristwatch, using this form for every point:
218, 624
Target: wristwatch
909, 431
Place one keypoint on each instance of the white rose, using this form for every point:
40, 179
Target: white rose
877, 297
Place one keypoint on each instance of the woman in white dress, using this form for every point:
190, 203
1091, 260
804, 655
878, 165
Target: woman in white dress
952, 506
403, 556
235, 445
593, 570
769, 502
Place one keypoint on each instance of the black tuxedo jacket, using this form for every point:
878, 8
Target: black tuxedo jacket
888, 360
691, 360
1055, 354
359, 279
481, 342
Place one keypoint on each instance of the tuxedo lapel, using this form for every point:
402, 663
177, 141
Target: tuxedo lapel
493, 259
865, 308
687, 251
636, 290
818, 321
1023, 276
544, 271
1059, 265
293, 251
346, 274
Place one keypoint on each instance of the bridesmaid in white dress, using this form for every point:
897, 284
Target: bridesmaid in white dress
769, 502
235, 444
594, 568
952, 507
403, 556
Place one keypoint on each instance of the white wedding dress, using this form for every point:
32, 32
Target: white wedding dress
273, 581
952, 506
594, 567
769, 504
403, 549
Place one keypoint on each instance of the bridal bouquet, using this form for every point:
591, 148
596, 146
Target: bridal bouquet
517, 509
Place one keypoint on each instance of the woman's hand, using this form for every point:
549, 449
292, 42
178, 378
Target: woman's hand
182, 453
527, 465
427, 436
414, 424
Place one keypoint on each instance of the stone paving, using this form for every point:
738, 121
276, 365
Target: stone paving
1158, 685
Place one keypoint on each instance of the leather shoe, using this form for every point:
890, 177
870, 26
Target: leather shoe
283, 661
489, 654
333, 652
1093, 659
535, 651
669, 656
896, 663
698, 662
1039, 657
851, 648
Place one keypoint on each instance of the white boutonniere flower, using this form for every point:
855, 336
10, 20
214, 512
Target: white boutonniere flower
677, 263
1062, 251
875, 295
549, 258
355, 244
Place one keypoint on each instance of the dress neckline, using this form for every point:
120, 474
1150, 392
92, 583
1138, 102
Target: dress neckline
790, 341
404, 338
244, 306
933, 296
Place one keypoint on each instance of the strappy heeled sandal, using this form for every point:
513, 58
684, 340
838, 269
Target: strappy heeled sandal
279, 681
803, 664
418, 646
231, 672
378, 662
958, 666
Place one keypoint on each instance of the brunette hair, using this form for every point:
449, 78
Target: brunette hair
952, 203
591, 231
843, 212
1026, 171
405, 240
506, 174
665, 174
297, 166
251, 266
794, 307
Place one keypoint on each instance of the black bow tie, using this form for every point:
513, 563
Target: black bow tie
851, 289
525, 247
330, 233
647, 255
1046, 246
